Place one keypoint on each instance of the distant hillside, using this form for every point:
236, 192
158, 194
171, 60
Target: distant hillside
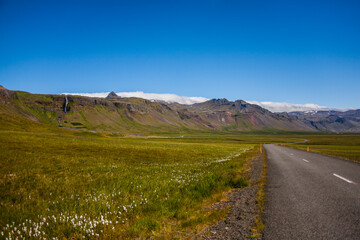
136, 115
334, 121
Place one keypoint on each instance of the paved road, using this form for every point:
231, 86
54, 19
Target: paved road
311, 196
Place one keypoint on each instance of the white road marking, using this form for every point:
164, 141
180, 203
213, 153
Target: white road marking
305, 160
342, 178
291, 154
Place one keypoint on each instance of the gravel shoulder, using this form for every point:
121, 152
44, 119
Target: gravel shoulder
243, 209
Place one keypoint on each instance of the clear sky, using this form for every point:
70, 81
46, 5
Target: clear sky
281, 51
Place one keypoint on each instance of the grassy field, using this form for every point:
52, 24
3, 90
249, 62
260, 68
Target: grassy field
62, 183
75, 184
345, 146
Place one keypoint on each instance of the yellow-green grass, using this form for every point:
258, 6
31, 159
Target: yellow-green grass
76, 184
260, 199
345, 146
63, 183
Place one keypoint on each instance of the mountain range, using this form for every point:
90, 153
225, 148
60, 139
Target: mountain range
141, 116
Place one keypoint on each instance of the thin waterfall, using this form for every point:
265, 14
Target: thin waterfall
66, 103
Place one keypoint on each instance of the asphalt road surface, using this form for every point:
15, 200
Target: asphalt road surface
311, 196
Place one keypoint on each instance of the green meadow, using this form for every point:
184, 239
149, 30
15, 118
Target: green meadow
74, 184
345, 146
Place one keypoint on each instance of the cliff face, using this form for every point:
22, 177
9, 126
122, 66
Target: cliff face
136, 115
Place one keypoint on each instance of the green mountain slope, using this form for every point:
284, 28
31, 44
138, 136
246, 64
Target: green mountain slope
140, 116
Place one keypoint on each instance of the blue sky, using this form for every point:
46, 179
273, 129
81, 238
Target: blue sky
280, 51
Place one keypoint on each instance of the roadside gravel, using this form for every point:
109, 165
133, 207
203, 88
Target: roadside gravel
243, 210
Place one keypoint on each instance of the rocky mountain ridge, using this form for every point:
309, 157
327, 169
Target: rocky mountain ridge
136, 115
334, 121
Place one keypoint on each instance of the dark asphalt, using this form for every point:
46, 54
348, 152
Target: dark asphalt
306, 201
